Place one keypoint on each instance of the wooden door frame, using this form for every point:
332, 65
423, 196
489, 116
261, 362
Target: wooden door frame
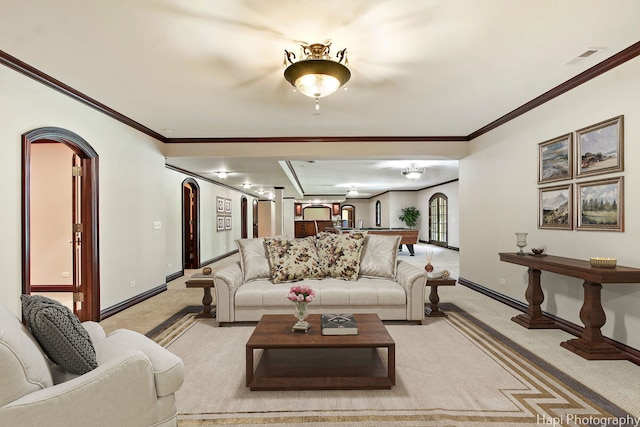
90, 258
244, 217
196, 191
254, 220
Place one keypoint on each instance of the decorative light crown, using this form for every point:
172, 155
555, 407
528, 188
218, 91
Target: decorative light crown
412, 171
315, 74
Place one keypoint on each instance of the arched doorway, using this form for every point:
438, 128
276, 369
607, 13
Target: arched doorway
438, 220
349, 215
255, 218
243, 217
84, 226
190, 224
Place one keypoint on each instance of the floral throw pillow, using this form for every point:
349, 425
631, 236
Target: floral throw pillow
293, 259
340, 254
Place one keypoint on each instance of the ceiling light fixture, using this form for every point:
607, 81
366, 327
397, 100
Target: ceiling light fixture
413, 171
315, 74
222, 174
353, 191
246, 185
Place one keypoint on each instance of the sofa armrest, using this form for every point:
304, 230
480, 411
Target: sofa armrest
118, 392
227, 281
413, 280
167, 368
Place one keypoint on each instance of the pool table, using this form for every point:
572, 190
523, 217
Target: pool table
409, 236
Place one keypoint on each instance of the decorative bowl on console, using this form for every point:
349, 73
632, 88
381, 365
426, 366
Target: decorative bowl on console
603, 262
537, 251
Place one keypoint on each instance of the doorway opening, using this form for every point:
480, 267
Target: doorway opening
80, 208
348, 215
190, 224
438, 220
243, 217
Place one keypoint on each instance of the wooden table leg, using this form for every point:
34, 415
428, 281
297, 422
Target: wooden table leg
206, 303
434, 299
533, 318
249, 366
591, 345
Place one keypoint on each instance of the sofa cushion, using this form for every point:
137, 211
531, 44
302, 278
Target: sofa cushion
23, 364
340, 254
330, 292
59, 333
254, 259
379, 256
293, 259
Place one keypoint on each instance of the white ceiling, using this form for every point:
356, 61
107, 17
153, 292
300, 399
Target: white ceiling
213, 69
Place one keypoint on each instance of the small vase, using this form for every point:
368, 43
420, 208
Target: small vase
301, 313
428, 268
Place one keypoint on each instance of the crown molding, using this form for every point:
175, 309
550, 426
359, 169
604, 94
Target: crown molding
595, 71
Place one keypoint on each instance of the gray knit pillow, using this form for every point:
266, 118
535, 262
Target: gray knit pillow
59, 333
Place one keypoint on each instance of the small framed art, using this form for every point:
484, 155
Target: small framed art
220, 223
555, 207
219, 205
600, 148
227, 223
601, 205
227, 206
555, 159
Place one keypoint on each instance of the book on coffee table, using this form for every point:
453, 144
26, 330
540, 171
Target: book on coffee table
339, 324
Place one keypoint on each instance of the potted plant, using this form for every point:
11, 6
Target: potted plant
410, 216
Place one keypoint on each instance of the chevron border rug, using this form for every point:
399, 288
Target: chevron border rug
452, 371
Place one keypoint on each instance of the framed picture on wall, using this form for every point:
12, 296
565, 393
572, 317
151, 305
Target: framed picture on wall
600, 148
220, 223
555, 159
227, 223
227, 206
555, 207
601, 205
219, 205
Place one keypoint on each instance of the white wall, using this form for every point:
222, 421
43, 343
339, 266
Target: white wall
453, 211
499, 196
213, 243
131, 189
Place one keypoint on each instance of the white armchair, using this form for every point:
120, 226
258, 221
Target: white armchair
133, 385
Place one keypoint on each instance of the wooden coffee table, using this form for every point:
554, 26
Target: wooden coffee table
310, 361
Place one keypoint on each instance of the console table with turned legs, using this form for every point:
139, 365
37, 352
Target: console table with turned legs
590, 345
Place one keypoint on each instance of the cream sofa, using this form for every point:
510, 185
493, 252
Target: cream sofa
394, 289
133, 384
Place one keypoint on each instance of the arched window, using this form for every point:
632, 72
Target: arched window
438, 219
378, 213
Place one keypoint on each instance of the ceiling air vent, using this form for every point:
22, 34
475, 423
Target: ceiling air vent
587, 53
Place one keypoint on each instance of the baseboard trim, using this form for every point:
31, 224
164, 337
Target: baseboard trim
115, 309
565, 325
218, 258
453, 248
174, 276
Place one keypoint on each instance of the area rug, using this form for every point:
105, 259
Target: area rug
453, 371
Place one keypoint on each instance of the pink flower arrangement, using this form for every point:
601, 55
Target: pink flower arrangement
301, 293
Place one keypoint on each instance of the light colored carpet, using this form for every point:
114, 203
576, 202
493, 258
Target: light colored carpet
452, 371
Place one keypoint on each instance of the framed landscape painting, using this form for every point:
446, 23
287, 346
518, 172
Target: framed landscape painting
555, 207
600, 148
601, 205
555, 159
